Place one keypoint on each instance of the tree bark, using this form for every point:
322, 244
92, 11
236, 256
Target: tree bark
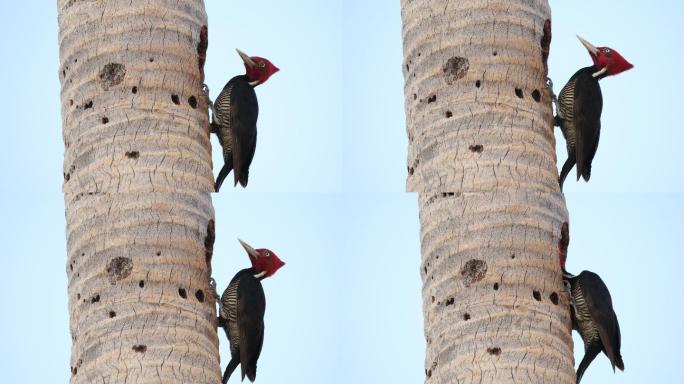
137, 184
482, 157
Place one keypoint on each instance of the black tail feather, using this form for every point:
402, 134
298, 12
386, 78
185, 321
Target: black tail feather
250, 372
586, 172
234, 361
569, 163
589, 356
242, 178
618, 363
222, 175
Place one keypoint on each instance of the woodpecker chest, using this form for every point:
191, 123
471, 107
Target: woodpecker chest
229, 312
566, 103
582, 320
223, 117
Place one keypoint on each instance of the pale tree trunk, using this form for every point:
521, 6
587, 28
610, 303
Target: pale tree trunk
137, 183
482, 157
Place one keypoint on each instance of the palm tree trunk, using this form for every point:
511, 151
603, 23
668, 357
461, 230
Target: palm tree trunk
482, 157
137, 183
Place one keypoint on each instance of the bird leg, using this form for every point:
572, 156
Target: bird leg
568, 290
567, 166
212, 290
554, 98
210, 104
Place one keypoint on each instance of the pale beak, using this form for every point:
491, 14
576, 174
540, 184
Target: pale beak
248, 60
249, 249
588, 46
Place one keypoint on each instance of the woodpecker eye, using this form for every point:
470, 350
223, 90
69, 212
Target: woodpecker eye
262, 64
267, 253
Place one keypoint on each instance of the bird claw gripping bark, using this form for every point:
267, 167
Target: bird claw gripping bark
554, 98
212, 289
210, 105
205, 91
568, 290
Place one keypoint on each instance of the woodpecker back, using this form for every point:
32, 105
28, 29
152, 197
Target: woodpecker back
241, 314
235, 113
579, 116
236, 110
579, 108
243, 305
595, 320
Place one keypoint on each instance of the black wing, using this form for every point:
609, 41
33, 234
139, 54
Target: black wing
587, 114
600, 307
251, 308
244, 113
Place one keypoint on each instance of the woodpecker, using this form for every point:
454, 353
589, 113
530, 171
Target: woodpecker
241, 311
593, 317
578, 108
235, 113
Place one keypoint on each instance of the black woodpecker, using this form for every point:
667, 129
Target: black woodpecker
593, 317
578, 108
235, 113
241, 313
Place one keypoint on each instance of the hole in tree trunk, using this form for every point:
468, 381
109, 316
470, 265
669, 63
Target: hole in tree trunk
537, 295
202, 48
536, 95
192, 101
496, 351
140, 348
209, 243
546, 42
554, 298
563, 243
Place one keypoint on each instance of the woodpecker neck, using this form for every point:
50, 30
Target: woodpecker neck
600, 73
249, 81
258, 275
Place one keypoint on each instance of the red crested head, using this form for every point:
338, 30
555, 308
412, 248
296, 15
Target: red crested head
608, 62
264, 261
258, 69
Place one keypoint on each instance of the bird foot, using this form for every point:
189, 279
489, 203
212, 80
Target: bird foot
212, 289
554, 98
210, 105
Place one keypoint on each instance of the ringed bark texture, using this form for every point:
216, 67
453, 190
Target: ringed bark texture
490, 278
137, 184
482, 157
477, 109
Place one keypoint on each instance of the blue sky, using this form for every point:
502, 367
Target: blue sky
326, 188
